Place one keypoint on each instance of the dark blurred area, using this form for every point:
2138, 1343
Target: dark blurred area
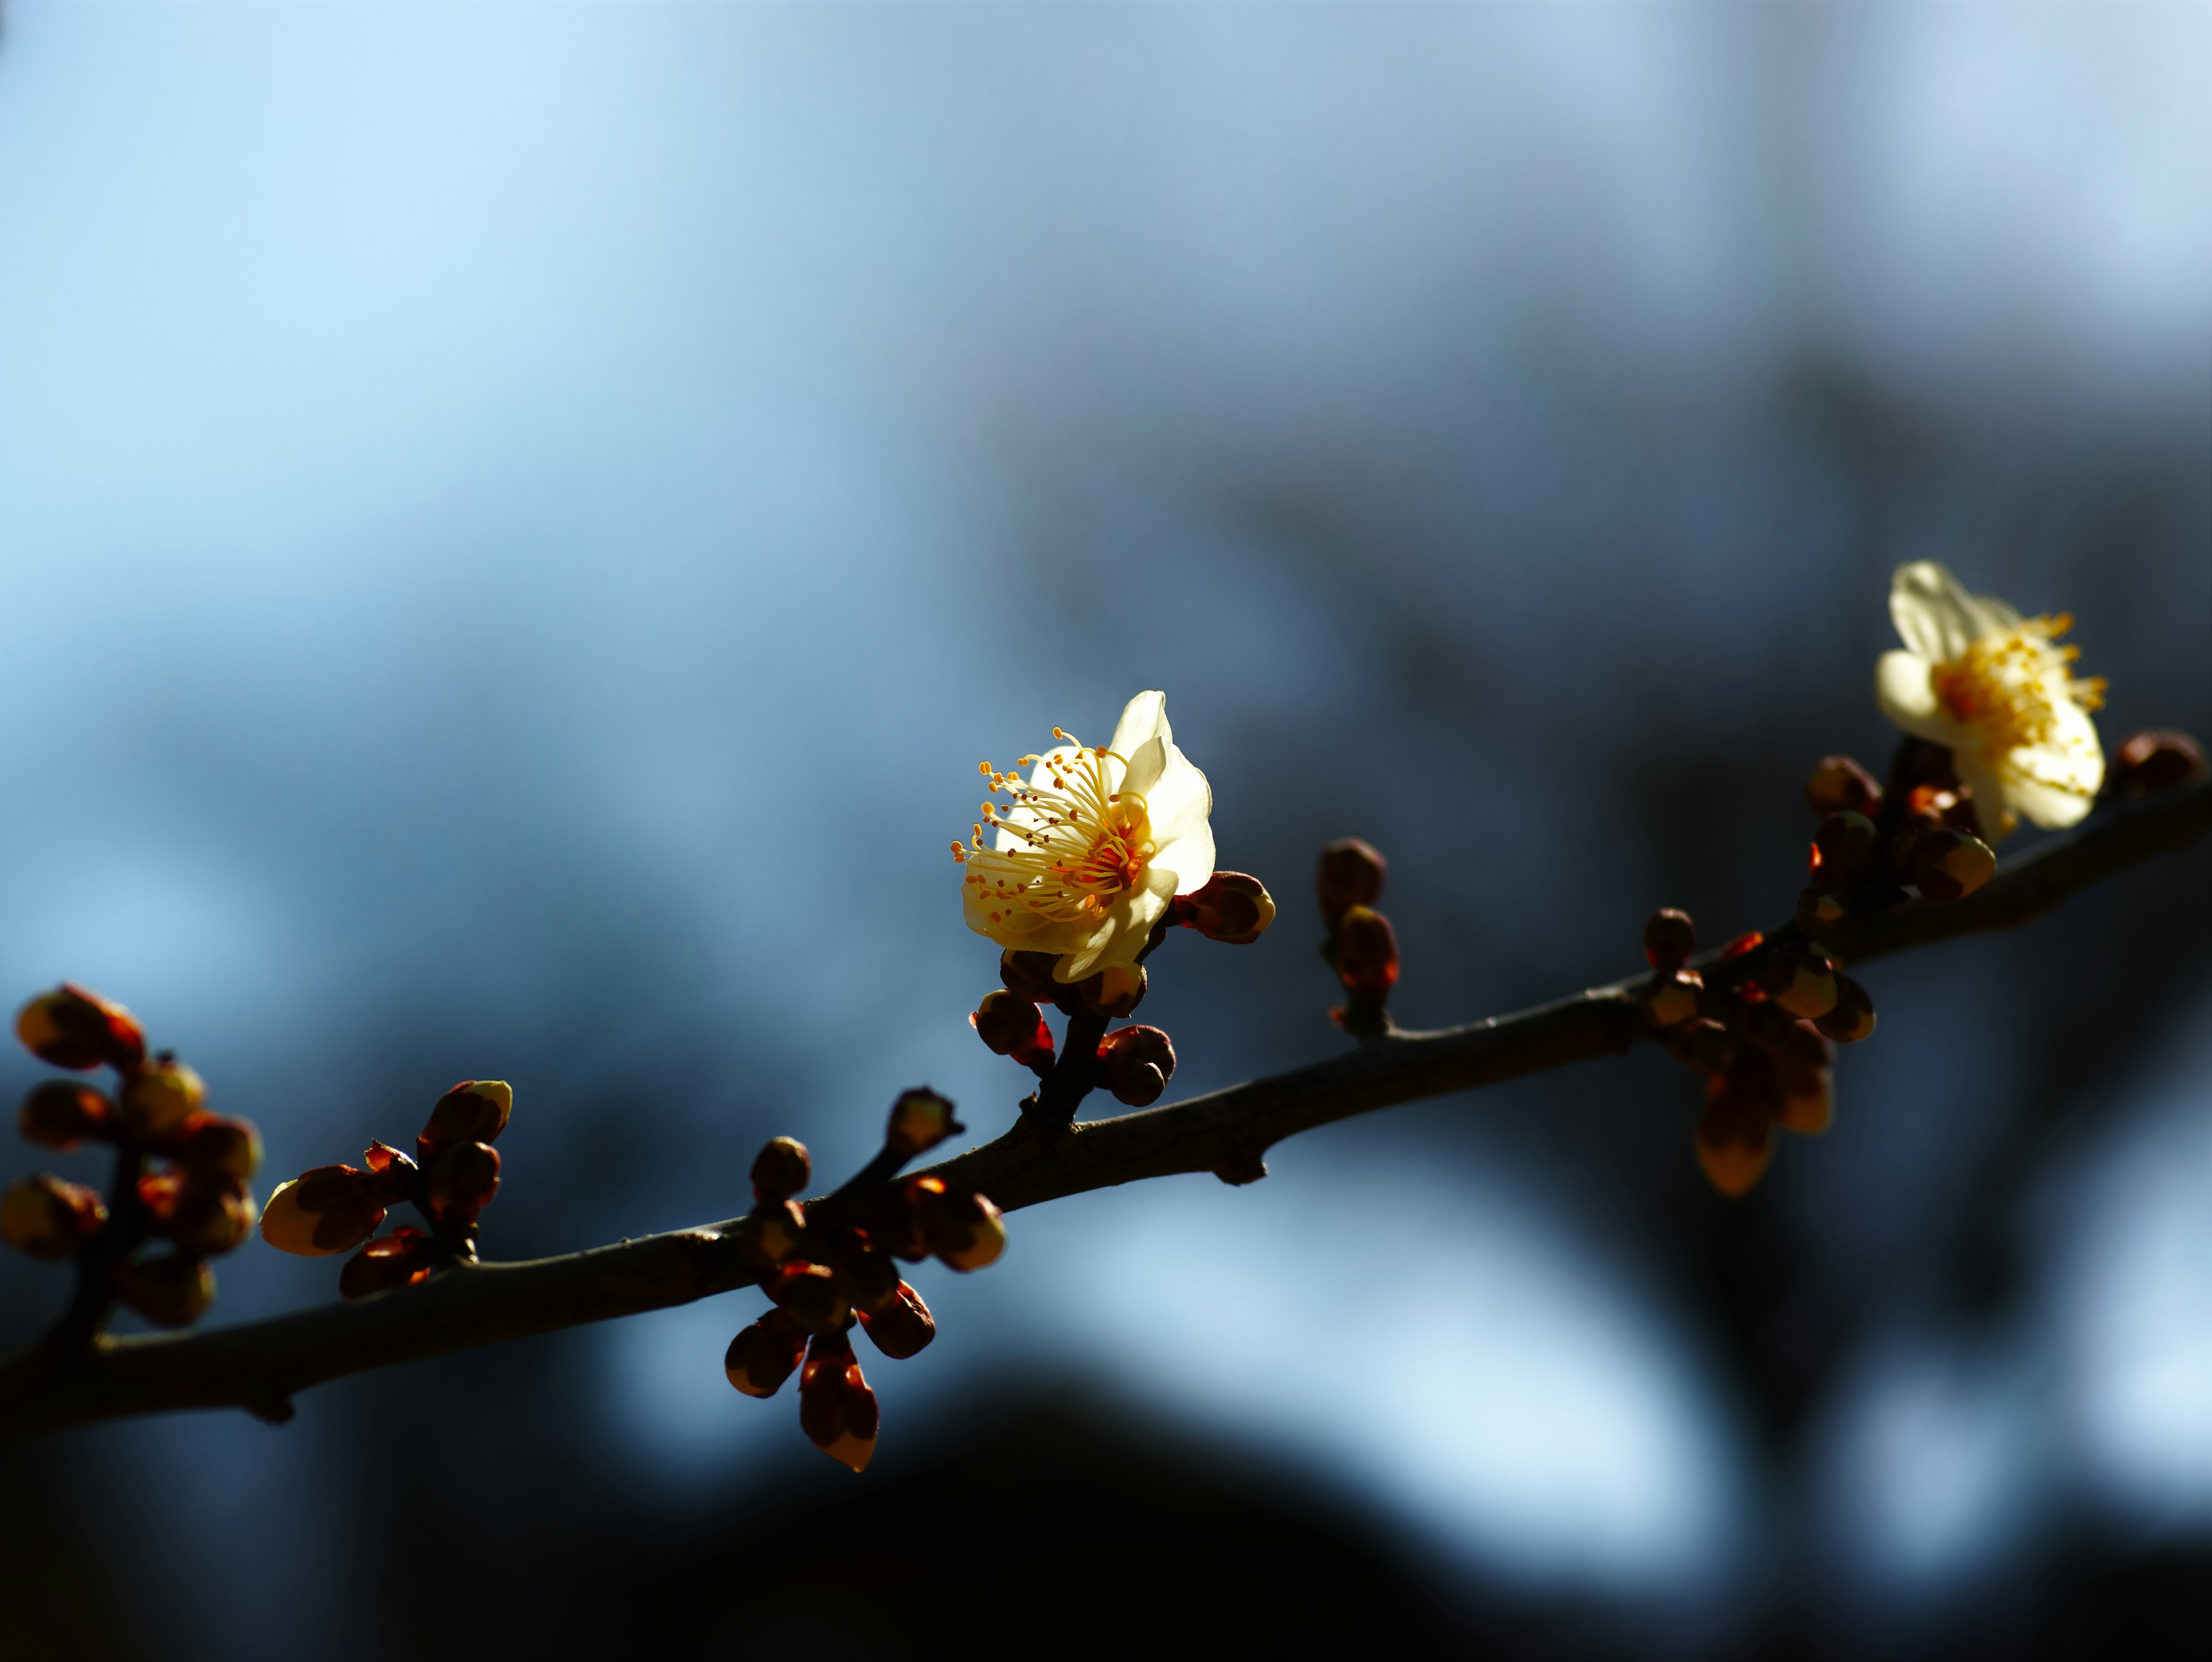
520, 521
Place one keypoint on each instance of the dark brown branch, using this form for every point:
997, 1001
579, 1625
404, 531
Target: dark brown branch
258, 1366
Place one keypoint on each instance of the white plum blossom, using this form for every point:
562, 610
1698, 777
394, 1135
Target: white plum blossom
1085, 858
1997, 689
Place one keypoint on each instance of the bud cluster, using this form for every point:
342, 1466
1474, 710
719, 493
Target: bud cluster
831, 1266
1872, 844
1360, 946
181, 1172
1761, 1028
450, 1179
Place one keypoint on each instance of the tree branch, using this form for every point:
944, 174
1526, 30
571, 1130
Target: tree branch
259, 1365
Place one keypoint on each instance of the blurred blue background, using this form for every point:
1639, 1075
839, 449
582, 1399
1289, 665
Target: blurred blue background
518, 522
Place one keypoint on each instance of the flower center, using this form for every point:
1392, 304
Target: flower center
1072, 845
2010, 687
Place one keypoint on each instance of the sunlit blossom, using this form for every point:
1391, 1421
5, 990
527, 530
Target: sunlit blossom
1999, 690
1084, 857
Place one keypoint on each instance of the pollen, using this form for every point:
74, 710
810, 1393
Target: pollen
2010, 688
1068, 847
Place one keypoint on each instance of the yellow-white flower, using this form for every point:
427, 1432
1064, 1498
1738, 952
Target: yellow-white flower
1083, 860
1996, 688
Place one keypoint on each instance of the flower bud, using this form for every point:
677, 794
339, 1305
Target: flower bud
62, 1113
332, 1209
1366, 954
174, 1290
770, 1233
1030, 976
1735, 1132
205, 1215
159, 1097
760, 1359
1802, 986
1840, 785
1011, 1025
1669, 938
1233, 908
903, 1327
1135, 1064
394, 1167
1705, 1046
1843, 848
49, 1218
463, 1181
1804, 1101
836, 1409
921, 1119
780, 1170
865, 1276
1670, 998
1351, 873
1949, 865
1820, 912
1749, 940
965, 1231
1112, 993
400, 1259
1852, 1020
74, 1027
808, 1294
221, 1145
2155, 762
475, 1110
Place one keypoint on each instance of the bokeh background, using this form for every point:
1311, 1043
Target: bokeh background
518, 522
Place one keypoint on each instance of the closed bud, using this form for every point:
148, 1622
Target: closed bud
903, 1327
770, 1233
836, 1409
808, 1294
1030, 976
48, 1218
921, 1119
159, 1097
1669, 938
1366, 955
174, 1290
220, 1145
1670, 998
1012, 1025
1820, 912
1840, 785
394, 1167
1852, 1020
1949, 865
74, 1027
1843, 849
1735, 1132
1233, 908
1351, 873
761, 1358
462, 1181
332, 1209
965, 1230
400, 1259
2155, 762
1804, 1097
864, 1275
1135, 1064
475, 1110
206, 1214
62, 1113
1112, 993
1804, 986
1704, 1045
780, 1170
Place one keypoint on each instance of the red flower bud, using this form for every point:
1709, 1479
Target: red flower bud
1366, 955
765, 1354
74, 1027
808, 1294
332, 1209
475, 1110
220, 1144
1949, 865
780, 1170
159, 1097
1844, 848
49, 1218
62, 1113
1030, 976
1351, 873
1735, 1132
1236, 909
1011, 1025
964, 1230
921, 1119
1803, 985
1840, 785
903, 1327
174, 1290
2155, 762
864, 1275
1670, 998
1669, 938
1820, 912
400, 1259
1135, 1064
836, 1409
463, 1181
205, 1214
770, 1233
1852, 1020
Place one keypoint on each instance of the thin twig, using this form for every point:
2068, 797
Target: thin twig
258, 1366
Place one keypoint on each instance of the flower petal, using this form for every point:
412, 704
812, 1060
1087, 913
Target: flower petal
1144, 717
2055, 783
1120, 936
1906, 693
1934, 616
1980, 776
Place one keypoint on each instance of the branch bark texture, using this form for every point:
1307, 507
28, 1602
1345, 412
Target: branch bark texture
259, 1366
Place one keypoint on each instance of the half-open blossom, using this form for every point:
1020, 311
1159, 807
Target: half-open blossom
1086, 857
1999, 690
